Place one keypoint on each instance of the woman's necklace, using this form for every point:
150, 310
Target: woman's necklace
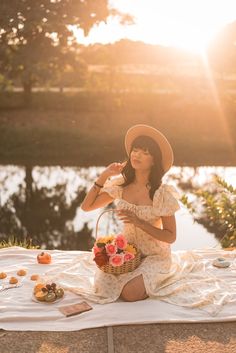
147, 185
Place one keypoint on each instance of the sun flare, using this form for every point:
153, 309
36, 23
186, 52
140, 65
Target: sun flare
187, 24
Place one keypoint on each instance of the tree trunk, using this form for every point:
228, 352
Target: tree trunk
61, 88
28, 199
27, 93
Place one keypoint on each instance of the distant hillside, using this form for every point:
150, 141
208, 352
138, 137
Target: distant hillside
220, 56
134, 52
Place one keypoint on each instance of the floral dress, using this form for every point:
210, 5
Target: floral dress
156, 254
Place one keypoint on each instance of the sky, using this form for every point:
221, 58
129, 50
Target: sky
187, 24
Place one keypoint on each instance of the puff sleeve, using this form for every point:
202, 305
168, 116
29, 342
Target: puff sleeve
165, 200
113, 187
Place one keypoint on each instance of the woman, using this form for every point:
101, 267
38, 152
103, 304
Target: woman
146, 206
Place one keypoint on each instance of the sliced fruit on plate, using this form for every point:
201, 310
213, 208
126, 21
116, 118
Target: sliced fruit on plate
59, 293
50, 297
41, 296
38, 287
48, 292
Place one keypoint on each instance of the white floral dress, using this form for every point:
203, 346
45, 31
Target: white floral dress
156, 254
184, 278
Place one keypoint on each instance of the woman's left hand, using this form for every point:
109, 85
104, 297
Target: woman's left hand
129, 217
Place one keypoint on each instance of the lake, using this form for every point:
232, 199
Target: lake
42, 203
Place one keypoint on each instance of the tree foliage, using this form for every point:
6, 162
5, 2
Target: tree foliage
218, 212
37, 36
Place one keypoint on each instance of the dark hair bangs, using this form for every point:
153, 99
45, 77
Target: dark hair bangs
145, 143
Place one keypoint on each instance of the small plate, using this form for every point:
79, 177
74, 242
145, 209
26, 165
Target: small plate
44, 302
221, 262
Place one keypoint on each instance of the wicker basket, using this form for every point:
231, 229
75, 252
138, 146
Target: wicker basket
127, 266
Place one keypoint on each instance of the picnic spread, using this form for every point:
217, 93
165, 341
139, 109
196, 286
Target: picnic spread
73, 273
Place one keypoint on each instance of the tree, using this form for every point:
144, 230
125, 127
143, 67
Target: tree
37, 37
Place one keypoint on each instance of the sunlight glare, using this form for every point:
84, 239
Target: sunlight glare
187, 24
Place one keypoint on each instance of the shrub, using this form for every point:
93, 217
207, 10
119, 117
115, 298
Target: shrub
218, 210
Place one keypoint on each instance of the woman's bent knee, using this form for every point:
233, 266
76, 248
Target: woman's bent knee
134, 290
133, 297
131, 294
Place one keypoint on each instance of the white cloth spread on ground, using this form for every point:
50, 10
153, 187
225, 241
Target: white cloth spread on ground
19, 312
181, 279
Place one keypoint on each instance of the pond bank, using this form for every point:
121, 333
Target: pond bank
89, 129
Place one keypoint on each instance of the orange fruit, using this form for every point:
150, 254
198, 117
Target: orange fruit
13, 280
44, 258
21, 272
34, 277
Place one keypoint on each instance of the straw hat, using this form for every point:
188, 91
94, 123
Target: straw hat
157, 136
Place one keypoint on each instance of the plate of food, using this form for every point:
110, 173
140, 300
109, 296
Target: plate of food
47, 293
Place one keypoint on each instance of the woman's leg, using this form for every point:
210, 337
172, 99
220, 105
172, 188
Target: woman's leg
134, 290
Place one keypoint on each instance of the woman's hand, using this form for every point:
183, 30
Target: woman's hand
114, 169
129, 217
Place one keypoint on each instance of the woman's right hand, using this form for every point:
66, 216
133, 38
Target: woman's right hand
113, 169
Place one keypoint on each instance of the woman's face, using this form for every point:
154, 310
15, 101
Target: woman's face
141, 159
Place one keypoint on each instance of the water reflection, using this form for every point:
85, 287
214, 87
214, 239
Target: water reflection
43, 203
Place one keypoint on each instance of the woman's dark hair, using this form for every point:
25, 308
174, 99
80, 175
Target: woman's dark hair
157, 172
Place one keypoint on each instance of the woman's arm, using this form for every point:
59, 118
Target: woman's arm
167, 234
93, 199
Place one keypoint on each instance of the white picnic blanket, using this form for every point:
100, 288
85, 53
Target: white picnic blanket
19, 312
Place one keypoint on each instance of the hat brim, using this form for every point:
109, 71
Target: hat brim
157, 136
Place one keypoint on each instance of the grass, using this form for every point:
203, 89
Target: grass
12, 241
88, 129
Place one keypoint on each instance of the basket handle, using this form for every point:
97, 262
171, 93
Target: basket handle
106, 211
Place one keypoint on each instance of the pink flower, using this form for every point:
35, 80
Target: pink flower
96, 250
111, 249
128, 256
121, 242
116, 260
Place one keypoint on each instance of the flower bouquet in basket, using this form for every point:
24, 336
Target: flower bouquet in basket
113, 254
